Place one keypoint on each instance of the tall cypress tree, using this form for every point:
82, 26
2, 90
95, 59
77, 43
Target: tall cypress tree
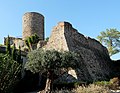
14, 52
8, 49
19, 55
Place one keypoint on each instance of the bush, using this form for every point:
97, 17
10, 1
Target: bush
92, 88
9, 71
114, 83
102, 83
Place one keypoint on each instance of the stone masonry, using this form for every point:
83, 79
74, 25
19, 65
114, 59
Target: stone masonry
33, 23
94, 57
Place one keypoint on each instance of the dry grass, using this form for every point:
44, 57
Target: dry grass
97, 87
92, 88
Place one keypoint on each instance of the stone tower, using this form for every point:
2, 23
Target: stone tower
33, 23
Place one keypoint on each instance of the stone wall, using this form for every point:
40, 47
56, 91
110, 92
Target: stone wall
94, 57
64, 33
57, 39
17, 41
33, 23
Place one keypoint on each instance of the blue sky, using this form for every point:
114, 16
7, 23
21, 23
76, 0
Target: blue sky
89, 17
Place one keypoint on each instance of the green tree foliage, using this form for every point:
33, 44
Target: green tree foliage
8, 49
30, 41
47, 39
50, 61
18, 59
9, 70
35, 39
14, 52
111, 39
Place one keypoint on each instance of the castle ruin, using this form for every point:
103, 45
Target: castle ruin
94, 57
32, 23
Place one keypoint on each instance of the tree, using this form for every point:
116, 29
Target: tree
14, 52
30, 41
18, 59
50, 61
8, 49
9, 73
111, 39
47, 39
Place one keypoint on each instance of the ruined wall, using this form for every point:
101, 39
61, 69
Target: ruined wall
65, 37
17, 41
94, 57
33, 23
57, 39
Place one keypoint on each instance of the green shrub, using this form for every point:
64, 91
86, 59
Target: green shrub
113, 84
102, 83
9, 73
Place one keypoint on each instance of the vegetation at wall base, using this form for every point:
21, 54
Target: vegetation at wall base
10, 73
8, 48
10, 69
95, 87
50, 61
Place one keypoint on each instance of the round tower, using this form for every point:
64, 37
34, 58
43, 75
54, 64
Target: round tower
32, 23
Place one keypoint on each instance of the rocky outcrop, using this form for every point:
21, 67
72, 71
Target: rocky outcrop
94, 58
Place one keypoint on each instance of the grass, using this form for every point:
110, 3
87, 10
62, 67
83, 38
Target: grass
92, 88
96, 87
